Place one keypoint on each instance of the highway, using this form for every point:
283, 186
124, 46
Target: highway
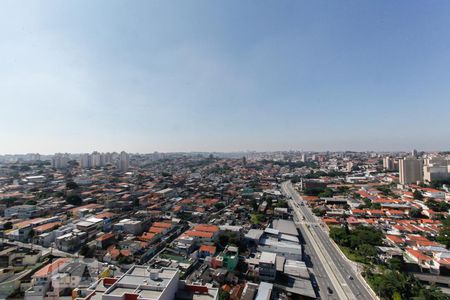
330, 268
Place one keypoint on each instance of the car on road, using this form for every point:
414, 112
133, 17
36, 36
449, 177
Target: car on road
350, 277
330, 291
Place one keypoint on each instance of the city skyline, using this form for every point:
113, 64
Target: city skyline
224, 76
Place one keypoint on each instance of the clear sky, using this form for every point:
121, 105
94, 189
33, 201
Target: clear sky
146, 76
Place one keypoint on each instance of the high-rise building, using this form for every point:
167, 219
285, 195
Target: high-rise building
60, 161
33, 156
349, 166
123, 162
303, 157
435, 168
410, 170
96, 160
85, 161
388, 164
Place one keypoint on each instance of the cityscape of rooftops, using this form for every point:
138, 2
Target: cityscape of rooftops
224, 150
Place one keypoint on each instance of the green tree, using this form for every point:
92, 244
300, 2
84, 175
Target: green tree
444, 233
282, 203
343, 189
223, 295
319, 212
397, 296
431, 293
219, 205
395, 264
440, 206
9, 201
375, 205
418, 195
257, 218
87, 251
367, 250
415, 213
8, 225
71, 185
74, 200
254, 204
326, 193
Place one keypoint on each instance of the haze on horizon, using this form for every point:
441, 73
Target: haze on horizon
144, 76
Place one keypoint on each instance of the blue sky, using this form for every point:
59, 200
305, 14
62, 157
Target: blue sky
146, 76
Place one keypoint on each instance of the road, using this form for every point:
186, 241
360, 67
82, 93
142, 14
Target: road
53, 251
330, 268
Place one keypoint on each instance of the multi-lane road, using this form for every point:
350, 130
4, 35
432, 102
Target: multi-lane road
335, 276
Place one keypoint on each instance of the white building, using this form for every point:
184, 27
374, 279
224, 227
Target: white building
123, 162
143, 283
85, 161
60, 161
435, 168
388, 164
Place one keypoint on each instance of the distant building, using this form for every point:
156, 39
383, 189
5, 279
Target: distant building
24, 211
410, 170
388, 164
96, 160
435, 168
60, 161
123, 162
85, 161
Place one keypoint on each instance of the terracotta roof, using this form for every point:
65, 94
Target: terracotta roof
413, 237
395, 239
47, 226
207, 228
430, 190
156, 230
396, 212
147, 236
162, 224
87, 206
419, 255
105, 215
330, 221
27, 222
201, 234
105, 237
208, 248
51, 268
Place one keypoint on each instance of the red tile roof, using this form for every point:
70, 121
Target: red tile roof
46, 227
105, 237
207, 228
201, 234
51, 268
208, 248
162, 224
419, 255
